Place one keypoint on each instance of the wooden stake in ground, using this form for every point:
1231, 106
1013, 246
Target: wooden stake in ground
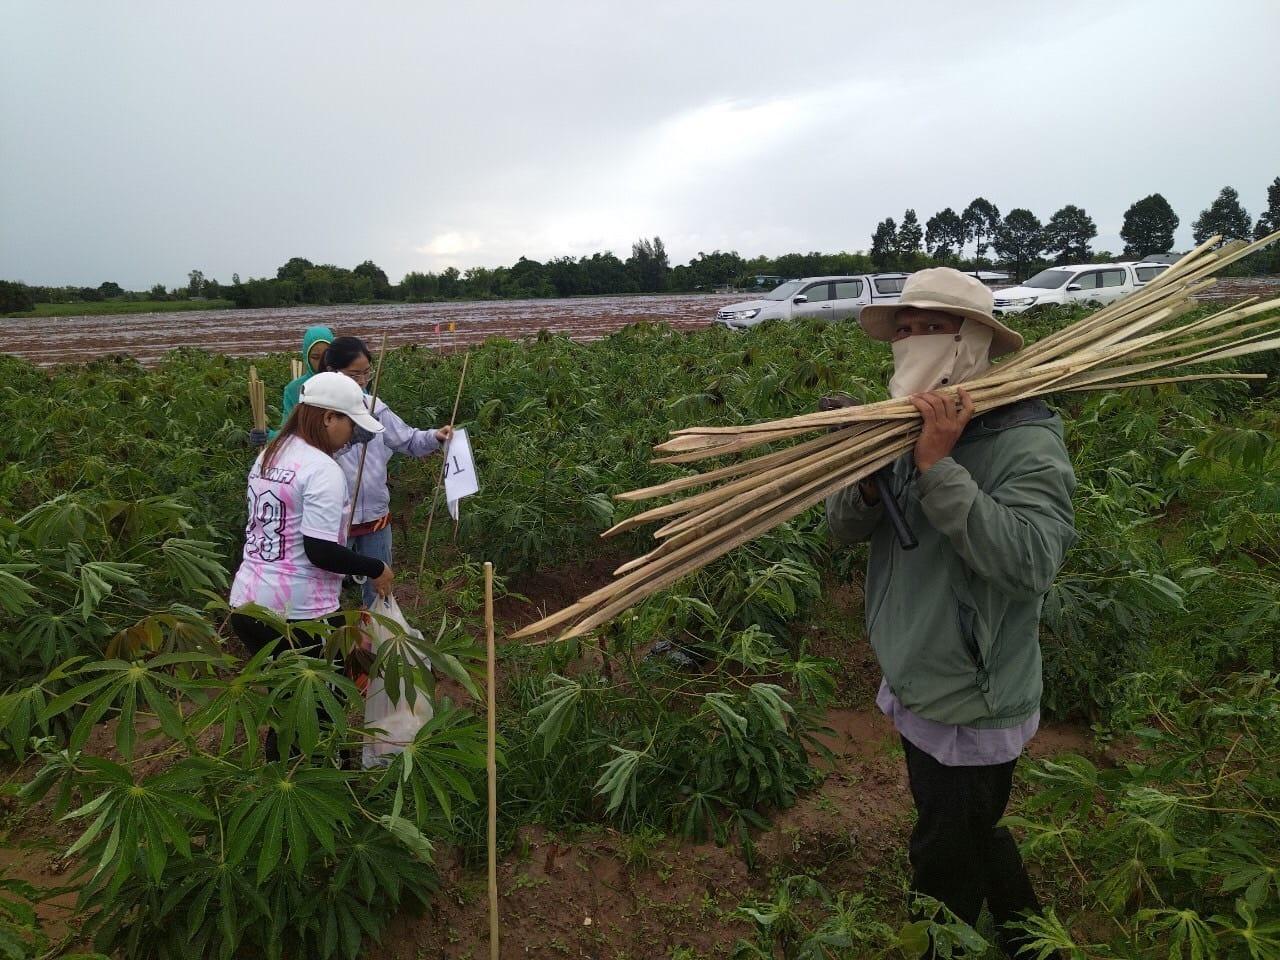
444, 464
492, 764
295, 368
257, 400
364, 448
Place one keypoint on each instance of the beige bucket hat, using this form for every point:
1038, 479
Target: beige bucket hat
948, 290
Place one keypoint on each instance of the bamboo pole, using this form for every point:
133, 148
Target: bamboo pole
364, 449
444, 464
491, 761
257, 399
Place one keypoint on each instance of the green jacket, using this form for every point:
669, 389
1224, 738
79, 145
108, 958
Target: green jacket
293, 389
955, 622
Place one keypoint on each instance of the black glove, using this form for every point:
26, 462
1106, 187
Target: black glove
258, 438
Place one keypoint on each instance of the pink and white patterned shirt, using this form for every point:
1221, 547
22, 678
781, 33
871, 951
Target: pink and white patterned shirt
303, 493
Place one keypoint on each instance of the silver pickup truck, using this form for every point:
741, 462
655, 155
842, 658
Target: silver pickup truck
836, 298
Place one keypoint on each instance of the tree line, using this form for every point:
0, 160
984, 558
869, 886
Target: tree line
1021, 242
1018, 239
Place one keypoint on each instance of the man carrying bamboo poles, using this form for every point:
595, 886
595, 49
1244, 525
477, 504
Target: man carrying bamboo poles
955, 623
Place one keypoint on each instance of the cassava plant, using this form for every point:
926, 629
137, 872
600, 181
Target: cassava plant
191, 844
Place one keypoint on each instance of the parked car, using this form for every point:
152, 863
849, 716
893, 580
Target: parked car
1086, 283
836, 298
1146, 270
989, 278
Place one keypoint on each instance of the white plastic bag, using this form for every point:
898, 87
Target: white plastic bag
398, 722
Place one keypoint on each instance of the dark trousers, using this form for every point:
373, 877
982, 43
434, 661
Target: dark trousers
255, 635
958, 854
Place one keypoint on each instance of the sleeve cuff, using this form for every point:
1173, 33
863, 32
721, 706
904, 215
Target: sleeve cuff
329, 536
946, 489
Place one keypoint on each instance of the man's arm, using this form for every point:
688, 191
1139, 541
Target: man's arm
1017, 536
852, 515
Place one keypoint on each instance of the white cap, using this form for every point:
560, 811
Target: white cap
337, 391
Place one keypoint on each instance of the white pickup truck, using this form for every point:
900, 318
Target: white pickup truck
835, 298
1088, 283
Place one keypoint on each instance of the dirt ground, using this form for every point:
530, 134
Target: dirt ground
240, 333
601, 895
148, 336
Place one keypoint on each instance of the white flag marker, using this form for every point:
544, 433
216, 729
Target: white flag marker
460, 478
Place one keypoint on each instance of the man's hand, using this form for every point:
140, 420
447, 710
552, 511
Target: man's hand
444, 434
944, 421
258, 438
382, 582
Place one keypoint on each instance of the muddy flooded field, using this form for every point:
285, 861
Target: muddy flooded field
148, 336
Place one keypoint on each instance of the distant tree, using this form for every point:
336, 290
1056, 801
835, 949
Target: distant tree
158, 292
377, 278
1225, 216
565, 276
1148, 227
1019, 241
212, 289
981, 219
1269, 220
15, 297
809, 264
944, 234
884, 244
195, 283
910, 236
235, 279
605, 273
296, 269
110, 288
449, 282
1068, 234
420, 286
648, 264
707, 271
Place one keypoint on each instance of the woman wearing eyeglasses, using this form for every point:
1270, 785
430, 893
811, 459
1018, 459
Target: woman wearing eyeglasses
371, 534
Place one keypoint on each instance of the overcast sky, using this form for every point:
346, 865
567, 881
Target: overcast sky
141, 139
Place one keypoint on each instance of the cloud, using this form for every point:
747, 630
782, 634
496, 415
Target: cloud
471, 134
451, 243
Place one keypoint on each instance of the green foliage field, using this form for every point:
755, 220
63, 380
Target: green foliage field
121, 509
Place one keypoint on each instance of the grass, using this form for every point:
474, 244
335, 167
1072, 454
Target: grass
101, 307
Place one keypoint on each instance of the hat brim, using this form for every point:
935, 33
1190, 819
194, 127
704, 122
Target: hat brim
878, 321
363, 418
366, 420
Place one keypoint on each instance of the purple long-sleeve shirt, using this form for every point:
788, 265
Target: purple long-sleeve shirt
396, 437
954, 745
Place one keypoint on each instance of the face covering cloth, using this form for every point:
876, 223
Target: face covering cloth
927, 362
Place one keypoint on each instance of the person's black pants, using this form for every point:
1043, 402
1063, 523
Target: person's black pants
255, 635
958, 854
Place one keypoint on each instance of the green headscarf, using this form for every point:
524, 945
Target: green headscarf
293, 390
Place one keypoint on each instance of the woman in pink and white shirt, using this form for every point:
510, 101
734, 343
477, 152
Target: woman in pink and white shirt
294, 547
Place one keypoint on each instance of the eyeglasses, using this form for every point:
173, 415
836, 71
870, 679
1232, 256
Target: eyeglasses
360, 376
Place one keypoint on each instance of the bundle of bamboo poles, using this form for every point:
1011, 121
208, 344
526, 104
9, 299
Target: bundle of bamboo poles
257, 399
1115, 347
295, 368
